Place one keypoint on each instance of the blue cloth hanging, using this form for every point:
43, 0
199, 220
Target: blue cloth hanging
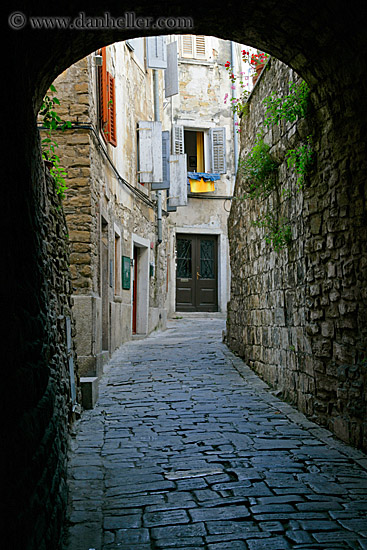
205, 175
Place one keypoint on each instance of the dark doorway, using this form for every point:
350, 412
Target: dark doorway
105, 285
197, 273
135, 288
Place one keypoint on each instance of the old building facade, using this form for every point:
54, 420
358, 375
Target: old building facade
151, 161
203, 128
111, 216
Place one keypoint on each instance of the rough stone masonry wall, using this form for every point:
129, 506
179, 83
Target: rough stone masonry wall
299, 317
73, 90
41, 405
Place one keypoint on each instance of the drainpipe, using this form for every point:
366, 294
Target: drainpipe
156, 118
235, 141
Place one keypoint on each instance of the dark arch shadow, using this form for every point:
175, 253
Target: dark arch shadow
322, 41
325, 42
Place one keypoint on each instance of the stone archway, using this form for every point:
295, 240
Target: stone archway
323, 42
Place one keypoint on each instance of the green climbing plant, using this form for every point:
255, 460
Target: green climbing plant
300, 159
258, 170
51, 121
289, 107
277, 231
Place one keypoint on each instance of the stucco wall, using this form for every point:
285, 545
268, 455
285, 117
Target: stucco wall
298, 316
199, 105
96, 196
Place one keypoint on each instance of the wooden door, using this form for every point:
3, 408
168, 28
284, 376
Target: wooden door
197, 273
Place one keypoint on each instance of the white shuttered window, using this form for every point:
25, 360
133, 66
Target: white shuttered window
216, 163
193, 46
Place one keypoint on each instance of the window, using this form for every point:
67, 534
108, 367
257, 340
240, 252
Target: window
194, 149
193, 46
107, 104
205, 149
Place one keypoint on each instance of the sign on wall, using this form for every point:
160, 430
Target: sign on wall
125, 272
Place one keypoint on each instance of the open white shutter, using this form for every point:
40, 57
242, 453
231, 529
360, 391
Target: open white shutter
156, 52
218, 150
177, 139
178, 180
171, 73
150, 151
165, 163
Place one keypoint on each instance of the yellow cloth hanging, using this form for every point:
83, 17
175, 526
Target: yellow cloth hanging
201, 186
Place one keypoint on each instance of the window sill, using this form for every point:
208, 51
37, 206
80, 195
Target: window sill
190, 61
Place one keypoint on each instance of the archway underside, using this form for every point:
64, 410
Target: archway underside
324, 42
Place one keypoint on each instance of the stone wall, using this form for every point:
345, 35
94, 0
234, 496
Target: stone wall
38, 404
299, 316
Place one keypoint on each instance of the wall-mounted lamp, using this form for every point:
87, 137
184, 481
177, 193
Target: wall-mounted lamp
98, 60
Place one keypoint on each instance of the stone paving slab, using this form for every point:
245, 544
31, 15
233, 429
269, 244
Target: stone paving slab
188, 449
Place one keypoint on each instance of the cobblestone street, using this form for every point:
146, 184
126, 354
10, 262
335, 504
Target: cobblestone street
187, 448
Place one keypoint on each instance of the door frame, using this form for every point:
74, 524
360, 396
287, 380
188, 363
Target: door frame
223, 264
142, 284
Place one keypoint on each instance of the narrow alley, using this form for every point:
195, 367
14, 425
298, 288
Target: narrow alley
187, 448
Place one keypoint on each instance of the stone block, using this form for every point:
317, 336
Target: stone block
89, 387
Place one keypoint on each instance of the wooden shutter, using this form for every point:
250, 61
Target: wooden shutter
102, 90
200, 51
171, 73
156, 52
150, 151
157, 152
111, 124
187, 46
177, 139
106, 101
165, 163
193, 46
178, 180
218, 150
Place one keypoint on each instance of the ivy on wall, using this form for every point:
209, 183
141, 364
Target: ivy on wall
51, 121
259, 170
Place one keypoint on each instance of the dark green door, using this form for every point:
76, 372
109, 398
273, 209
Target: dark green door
196, 273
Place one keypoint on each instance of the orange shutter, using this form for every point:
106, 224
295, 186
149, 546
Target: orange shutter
107, 107
111, 137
